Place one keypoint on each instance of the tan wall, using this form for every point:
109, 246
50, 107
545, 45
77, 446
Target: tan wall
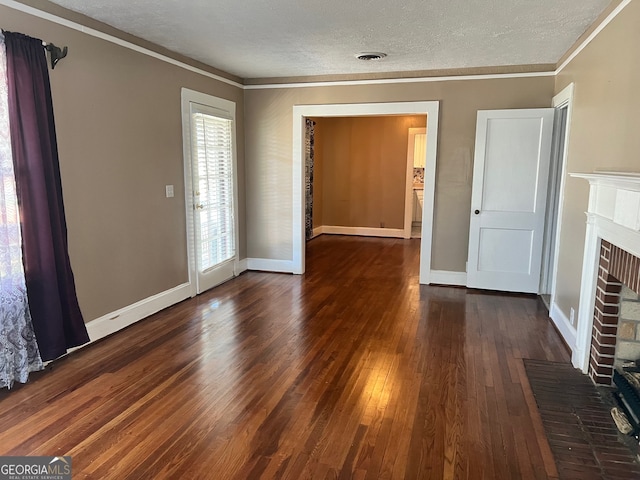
364, 169
604, 132
268, 130
120, 142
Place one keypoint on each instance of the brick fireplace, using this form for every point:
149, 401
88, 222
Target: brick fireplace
611, 330
611, 265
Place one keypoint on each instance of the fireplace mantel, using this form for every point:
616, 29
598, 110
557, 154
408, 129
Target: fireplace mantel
613, 215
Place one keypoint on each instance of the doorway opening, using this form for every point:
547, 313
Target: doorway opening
414, 198
356, 175
302, 112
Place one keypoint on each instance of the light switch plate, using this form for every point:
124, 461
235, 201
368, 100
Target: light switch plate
169, 191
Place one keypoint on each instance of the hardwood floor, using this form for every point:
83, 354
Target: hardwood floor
350, 371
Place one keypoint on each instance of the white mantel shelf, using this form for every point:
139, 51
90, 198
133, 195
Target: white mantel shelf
611, 178
613, 215
614, 196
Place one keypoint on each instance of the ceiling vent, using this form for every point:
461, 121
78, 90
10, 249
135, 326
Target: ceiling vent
367, 56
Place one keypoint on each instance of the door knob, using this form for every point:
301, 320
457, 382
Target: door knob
477, 212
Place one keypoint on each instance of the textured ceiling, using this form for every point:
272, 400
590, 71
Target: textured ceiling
289, 38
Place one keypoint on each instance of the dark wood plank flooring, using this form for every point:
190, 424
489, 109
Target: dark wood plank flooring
353, 370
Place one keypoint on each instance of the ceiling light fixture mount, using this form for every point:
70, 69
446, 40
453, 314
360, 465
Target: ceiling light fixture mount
368, 56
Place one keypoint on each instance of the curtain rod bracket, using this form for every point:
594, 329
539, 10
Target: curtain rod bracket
56, 53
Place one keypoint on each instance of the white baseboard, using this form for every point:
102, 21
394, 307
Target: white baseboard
444, 277
241, 266
114, 321
360, 231
269, 265
563, 325
316, 231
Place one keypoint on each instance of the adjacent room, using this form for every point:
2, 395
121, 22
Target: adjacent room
320, 239
360, 175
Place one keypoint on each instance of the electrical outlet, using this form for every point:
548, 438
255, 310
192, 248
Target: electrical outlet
381, 224
572, 316
169, 191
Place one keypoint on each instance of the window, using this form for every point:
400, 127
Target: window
213, 154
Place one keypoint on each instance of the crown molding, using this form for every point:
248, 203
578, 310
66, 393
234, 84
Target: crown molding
113, 39
15, 5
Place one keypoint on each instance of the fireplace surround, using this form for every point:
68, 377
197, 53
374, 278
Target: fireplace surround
611, 258
616, 268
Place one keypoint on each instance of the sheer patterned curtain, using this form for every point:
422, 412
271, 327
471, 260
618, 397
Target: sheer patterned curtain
19, 353
308, 176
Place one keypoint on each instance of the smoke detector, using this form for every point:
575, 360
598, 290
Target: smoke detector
368, 56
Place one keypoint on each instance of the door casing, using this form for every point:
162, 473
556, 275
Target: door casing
300, 112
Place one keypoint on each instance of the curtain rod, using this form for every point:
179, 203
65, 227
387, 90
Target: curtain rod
55, 53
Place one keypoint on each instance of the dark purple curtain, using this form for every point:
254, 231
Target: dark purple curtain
56, 316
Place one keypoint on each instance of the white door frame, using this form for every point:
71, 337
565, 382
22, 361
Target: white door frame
565, 97
561, 100
408, 198
187, 97
300, 112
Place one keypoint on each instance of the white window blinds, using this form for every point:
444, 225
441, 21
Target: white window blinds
213, 189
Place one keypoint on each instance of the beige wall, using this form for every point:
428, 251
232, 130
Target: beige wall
120, 142
604, 135
268, 133
119, 133
364, 169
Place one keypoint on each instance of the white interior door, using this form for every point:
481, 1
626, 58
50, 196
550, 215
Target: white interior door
508, 200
